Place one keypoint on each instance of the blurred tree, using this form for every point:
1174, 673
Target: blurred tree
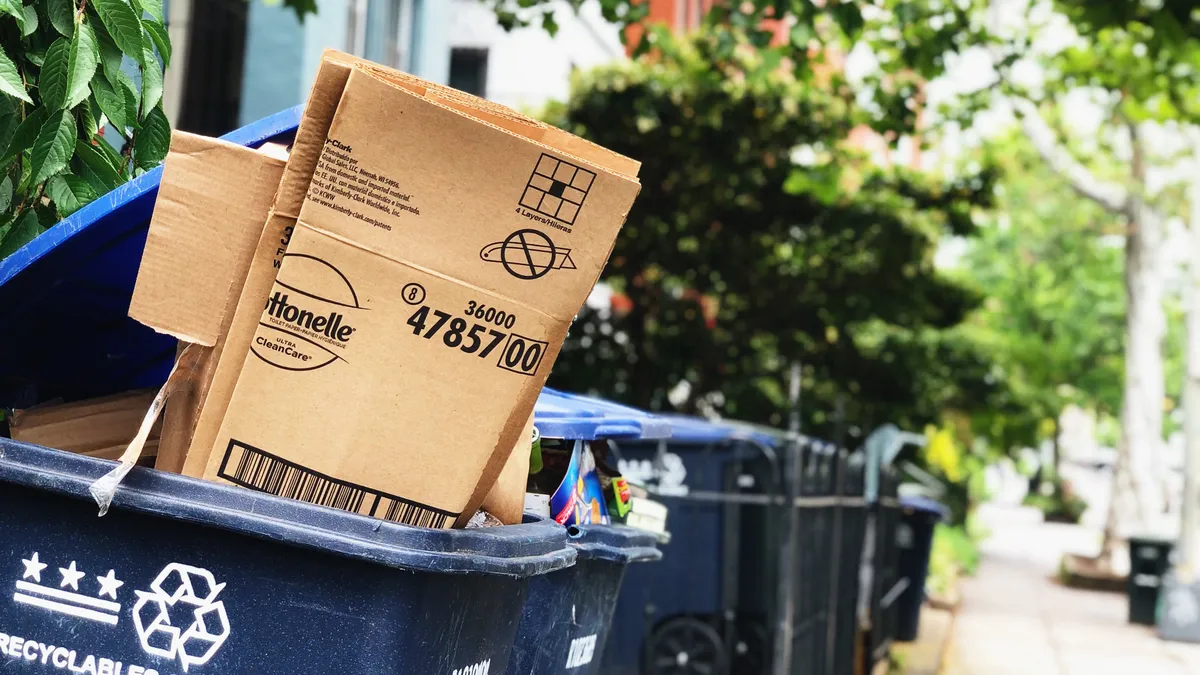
1054, 314
759, 240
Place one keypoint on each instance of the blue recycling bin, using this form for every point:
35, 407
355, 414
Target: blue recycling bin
914, 542
705, 607
567, 614
188, 576
65, 295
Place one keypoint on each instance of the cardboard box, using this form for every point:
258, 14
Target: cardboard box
431, 272
98, 427
212, 201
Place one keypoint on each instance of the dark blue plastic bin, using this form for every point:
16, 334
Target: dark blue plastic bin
187, 576
919, 517
567, 615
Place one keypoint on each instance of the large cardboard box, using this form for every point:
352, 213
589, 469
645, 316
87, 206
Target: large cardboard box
435, 248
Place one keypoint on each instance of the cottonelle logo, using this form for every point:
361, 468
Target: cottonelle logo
305, 325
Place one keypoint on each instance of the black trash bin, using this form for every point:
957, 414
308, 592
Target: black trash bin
914, 542
1149, 561
188, 576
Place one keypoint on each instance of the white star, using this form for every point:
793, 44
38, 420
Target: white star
70, 576
109, 585
33, 568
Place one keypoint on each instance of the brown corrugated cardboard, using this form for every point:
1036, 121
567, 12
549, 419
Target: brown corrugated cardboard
208, 218
424, 294
98, 427
506, 500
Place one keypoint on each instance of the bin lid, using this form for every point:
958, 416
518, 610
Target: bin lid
64, 296
559, 414
697, 430
513, 550
925, 505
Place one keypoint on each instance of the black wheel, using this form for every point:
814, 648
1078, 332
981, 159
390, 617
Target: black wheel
685, 646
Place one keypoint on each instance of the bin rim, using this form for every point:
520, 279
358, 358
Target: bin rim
925, 505
575, 417
614, 543
516, 551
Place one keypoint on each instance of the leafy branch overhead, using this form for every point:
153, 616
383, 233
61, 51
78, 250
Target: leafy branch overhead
81, 86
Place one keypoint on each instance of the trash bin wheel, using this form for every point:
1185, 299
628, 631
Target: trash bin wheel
685, 646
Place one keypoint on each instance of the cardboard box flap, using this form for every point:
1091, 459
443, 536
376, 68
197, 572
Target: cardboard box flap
206, 222
502, 213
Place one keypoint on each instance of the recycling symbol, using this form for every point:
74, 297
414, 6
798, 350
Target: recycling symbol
189, 594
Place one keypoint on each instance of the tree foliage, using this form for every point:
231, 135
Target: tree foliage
74, 73
761, 239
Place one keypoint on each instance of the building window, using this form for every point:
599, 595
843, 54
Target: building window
468, 70
380, 31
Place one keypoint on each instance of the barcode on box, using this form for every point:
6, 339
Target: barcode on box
257, 469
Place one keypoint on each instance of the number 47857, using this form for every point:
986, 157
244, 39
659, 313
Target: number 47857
456, 334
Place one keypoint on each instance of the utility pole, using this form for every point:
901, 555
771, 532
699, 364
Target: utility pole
789, 467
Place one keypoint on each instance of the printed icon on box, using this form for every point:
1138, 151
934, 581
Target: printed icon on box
190, 595
557, 189
528, 254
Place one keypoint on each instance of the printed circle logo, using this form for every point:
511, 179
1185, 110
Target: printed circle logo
180, 616
305, 324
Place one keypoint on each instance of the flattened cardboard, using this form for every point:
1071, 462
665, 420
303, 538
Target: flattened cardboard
212, 201
402, 346
506, 501
211, 204
98, 427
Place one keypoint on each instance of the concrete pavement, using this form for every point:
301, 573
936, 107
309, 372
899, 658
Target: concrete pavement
1015, 619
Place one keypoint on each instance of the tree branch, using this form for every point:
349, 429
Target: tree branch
1111, 196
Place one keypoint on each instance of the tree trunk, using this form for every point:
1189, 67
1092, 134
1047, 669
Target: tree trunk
1136, 492
1189, 539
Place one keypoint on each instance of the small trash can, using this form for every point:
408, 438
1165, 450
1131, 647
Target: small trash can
188, 576
568, 614
914, 542
1149, 561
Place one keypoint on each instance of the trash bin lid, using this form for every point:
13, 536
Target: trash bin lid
559, 414
697, 430
925, 505
64, 296
513, 550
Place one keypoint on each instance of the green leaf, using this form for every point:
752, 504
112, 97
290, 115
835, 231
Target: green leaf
8, 127
154, 8
53, 145
115, 160
95, 160
13, 8
85, 56
25, 231
152, 82
123, 25
69, 193
53, 85
87, 119
6, 193
36, 55
112, 102
62, 16
31, 21
25, 134
162, 41
10, 79
152, 142
110, 54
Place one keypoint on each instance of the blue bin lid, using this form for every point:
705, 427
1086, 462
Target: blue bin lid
689, 429
64, 296
559, 414
925, 505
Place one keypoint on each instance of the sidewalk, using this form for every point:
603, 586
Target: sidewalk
1015, 619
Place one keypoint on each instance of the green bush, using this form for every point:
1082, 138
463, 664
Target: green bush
955, 552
